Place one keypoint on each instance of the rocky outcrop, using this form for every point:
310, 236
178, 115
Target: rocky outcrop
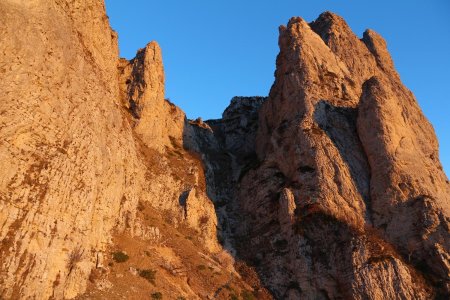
409, 191
175, 181
348, 159
158, 123
199, 214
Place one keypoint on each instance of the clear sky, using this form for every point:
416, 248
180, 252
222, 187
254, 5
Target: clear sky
216, 49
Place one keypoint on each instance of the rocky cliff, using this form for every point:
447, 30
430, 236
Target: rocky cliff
330, 188
349, 199
70, 172
93, 165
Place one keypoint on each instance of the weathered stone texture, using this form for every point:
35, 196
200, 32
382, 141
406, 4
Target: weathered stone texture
68, 159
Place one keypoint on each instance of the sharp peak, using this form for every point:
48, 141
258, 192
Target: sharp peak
326, 15
329, 19
329, 14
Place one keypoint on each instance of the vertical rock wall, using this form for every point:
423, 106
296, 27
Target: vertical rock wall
69, 164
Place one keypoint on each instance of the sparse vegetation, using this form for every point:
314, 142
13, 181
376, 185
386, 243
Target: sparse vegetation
233, 297
94, 275
175, 143
201, 267
378, 259
157, 295
120, 257
203, 220
247, 295
57, 281
149, 275
74, 257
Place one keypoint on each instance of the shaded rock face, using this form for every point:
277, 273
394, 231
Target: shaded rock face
331, 187
349, 200
239, 125
227, 149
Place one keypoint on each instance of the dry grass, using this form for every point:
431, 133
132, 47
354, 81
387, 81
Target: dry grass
74, 258
149, 275
120, 257
156, 295
188, 257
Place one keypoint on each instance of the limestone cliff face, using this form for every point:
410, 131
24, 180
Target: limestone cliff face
74, 156
68, 160
330, 188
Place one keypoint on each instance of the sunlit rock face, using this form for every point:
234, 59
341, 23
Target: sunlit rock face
75, 157
330, 188
69, 169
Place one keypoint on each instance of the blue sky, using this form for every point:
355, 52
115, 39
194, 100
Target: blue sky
214, 50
